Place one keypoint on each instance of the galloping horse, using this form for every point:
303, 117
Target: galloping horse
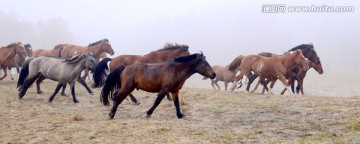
19, 60
169, 51
61, 70
295, 73
222, 74
69, 50
273, 67
8, 53
164, 77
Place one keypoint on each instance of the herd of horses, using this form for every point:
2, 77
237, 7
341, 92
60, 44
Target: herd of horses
163, 71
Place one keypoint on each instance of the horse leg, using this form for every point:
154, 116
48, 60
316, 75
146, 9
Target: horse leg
251, 80
271, 86
283, 80
63, 90
5, 73
82, 82
168, 97
236, 80
175, 96
256, 86
298, 87
263, 82
117, 99
11, 77
38, 81
60, 84
212, 84
133, 99
72, 87
86, 73
226, 85
217, 85
159, 98
302, 86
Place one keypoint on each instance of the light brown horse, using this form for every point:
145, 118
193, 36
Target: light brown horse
19, 60
8, 53
273, 67
295, 72
162, 78
55, 52
169, 51
222, 74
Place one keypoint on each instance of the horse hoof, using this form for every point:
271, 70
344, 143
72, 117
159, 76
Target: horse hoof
111, 115
91, 93
180, 115
40, 92
50, 101
21, 95
137, 103
76, 101
63, 94
148, 116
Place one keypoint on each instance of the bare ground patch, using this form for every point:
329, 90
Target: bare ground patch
211, 117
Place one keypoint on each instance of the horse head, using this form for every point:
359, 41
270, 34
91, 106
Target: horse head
91, 62
106, 47
28, 49
299, 59
203, 67
18, 48
317, 67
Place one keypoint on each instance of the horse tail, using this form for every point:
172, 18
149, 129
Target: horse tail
235, 63
24, 71
100, 73
112, 83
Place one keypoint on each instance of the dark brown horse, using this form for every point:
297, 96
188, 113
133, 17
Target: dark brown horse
19, 60
273, 67
162, 78
169, 51
8, 53
295, 73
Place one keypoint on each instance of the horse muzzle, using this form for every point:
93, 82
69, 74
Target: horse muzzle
212, 76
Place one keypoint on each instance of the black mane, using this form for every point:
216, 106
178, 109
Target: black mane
302, 46
95, 43
170, 46
186, 58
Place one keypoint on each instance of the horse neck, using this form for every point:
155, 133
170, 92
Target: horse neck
79, 65
11, 54
96, 50
287, 60
185, 70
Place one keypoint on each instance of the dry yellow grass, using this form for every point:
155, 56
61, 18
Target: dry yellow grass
211, 117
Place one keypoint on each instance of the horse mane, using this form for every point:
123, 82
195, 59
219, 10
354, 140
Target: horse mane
170, 46
97, 42
13, 44
185, 58
28, 46
302, 46
73, 59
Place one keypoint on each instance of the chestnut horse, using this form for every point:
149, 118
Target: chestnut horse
271, 68
68, 50
163, 78
8, 53
295, 72
19, 60
169, 51
55, 52
222, 74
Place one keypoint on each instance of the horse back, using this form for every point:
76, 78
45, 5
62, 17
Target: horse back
123, 60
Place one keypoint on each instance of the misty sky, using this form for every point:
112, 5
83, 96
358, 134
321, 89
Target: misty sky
222, 29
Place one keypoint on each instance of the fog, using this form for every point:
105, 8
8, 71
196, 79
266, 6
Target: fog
221, 29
